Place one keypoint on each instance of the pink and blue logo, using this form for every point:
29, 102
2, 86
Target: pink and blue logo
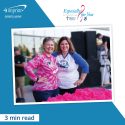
77, 14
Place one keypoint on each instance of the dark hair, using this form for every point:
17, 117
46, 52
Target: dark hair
106, 39
46, 39
98, 35
16, 49
71, 47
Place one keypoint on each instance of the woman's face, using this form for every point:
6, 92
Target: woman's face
64, 46
49, 47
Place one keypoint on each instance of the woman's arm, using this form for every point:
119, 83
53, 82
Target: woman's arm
81, 79
84, 65
81, 62
30, 66
55, 54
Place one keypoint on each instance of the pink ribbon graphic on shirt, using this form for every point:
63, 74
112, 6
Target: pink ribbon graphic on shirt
81, 11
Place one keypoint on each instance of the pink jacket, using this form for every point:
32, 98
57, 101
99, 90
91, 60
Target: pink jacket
44, 66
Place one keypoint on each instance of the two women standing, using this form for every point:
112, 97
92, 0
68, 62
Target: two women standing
57, 72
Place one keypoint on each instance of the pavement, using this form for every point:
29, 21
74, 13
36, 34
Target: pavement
28, 94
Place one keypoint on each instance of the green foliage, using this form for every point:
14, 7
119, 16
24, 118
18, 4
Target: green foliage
24, 50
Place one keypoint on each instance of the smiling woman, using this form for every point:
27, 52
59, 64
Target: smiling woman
68, 61
48, 45
46, 68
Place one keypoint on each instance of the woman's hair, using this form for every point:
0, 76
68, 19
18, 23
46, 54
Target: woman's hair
46, 39
71, 47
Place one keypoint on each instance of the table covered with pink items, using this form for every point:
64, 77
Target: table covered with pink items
84, 95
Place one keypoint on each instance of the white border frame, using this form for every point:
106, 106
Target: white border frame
90, 28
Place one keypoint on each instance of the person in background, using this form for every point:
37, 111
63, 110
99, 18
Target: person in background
105, 63
68, 62
19, 75
99, 43
42, 69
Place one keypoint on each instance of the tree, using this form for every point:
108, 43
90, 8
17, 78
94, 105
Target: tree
24, 50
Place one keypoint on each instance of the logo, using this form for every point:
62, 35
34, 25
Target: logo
77, 14
63, 64
14, 11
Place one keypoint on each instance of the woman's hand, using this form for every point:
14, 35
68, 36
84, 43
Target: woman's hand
78, 82
81, 80
42, 79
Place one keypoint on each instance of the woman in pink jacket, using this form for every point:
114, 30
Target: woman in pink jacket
45, 77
